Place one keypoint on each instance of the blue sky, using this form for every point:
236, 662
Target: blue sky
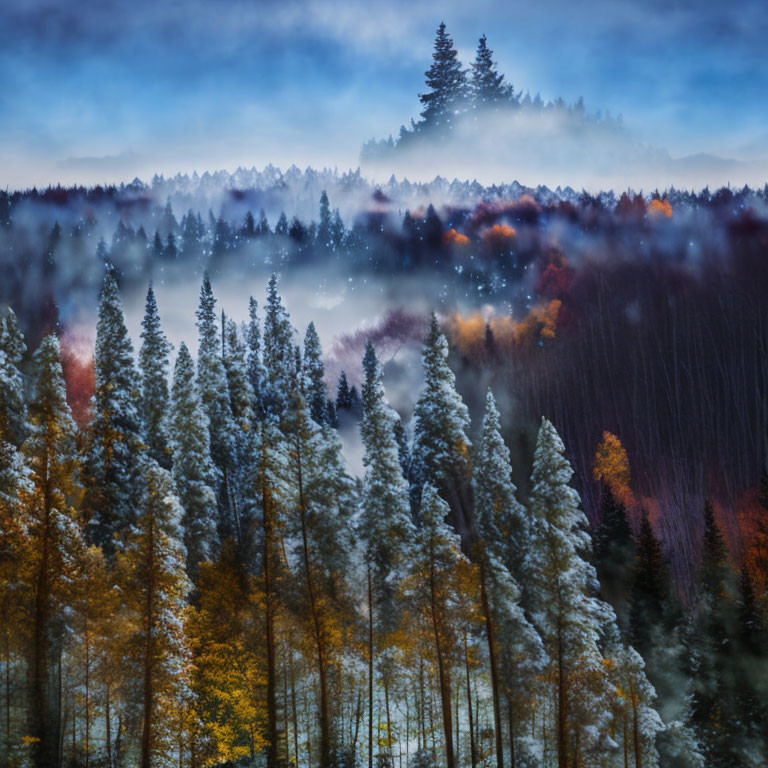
108, 90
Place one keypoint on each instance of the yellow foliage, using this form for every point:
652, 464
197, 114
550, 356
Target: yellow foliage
611, 466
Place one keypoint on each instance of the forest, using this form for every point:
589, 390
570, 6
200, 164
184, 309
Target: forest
191, 576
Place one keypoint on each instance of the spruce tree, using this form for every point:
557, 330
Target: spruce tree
386, 526
256, 375
194, 474
447, 84
343, 394
314, 376
153, 369
13, 409
441, 448
560, 593
487, 86
112, 476
155, 586
214, 396
499, 538
55, 536
278, 355
325, 224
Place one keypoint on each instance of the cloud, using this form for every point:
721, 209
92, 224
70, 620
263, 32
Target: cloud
107, 164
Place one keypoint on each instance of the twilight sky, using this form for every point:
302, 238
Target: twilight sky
105, 91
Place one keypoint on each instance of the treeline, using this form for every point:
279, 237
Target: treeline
194, 578
456, 96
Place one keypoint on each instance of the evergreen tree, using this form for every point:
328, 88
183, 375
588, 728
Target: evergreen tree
487, 86
194, 474
446, 81
440, 444
561, 585
112, 476
153, 369
314, 376
13, 409
614, 550
386, 526
256, 374
155, 586
55, 537
325, 224
498, 547
214, 396
649, 589
343, 393
278, 355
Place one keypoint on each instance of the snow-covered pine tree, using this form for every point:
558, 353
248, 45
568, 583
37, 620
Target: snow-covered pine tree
153, 369
319, 510
256, 374
13, 409
561, 588
487, 87
498, 547
441, 447
214, 396
278, 355
194, 473
314, 376
112, 477
447, 83
325, 224
155, 586
55, 536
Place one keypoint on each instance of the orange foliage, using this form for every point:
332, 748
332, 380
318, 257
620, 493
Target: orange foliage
498, 232
660, 208
753, 526
612, 468
556, 277
468, 332
452, 236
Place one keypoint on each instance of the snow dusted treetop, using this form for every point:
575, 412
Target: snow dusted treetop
500, 518
487, 86
314, 376
194, 474
441, 423
561, 585
279, 354
13, 410
115, 439
386, 521
153, 367
255, 365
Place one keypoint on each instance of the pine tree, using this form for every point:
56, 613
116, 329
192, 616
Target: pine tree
278, 355
194, 474
314, 376
440, 444
325, 224
343, 394
386, 526
614, 549
498, 547
321, 503
115, 444
54, 532
561, 584
214, 396
447, 83
153, 368
155, 586
256, 374
13, 409
649, 589
487, 86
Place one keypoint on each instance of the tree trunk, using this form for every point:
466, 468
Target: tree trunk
489, 631
562, 724
472, 747
443, 673
636, 730
149, 651
269, 613
370, 668
108, 727
319, 637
